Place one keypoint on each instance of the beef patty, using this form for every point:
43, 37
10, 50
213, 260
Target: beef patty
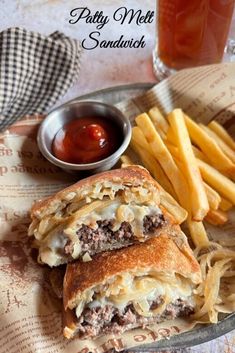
109, 319
104, 237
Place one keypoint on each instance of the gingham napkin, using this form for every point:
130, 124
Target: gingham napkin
35, 70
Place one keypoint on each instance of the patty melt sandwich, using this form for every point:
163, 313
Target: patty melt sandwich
106, 211
132, 287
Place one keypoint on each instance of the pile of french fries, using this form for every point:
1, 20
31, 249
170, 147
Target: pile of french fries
193, 163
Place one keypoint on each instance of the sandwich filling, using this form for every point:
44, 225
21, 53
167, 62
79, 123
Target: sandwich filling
105, 235
108, 319
104, 212
129, 301
100, 226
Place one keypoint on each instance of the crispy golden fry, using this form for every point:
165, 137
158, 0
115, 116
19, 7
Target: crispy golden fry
139, 138
173, 150
172, 206
213, 197
209, 147
198, 233
167, 201
143, 149
171, 142
222, 133
125, 161
159, 121
199, 201
171, 145
216, 217
229, 152
162, 154
225, 205
218, 181
170, 136
199, 154
153, 166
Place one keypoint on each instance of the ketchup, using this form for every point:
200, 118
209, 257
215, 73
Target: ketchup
86, 140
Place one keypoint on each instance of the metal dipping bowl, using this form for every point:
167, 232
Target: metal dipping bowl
62, 115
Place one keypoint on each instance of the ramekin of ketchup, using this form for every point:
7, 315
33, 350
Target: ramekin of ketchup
87, 140
85, 135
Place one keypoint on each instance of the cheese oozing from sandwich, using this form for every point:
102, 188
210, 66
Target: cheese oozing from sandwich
141, 291
107, 211
137, 222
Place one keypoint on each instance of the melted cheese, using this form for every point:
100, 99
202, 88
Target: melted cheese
116, 210
55, 240
50, 249
119, 212
139, 291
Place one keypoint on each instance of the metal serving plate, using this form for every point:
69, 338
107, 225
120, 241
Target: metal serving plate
203, 334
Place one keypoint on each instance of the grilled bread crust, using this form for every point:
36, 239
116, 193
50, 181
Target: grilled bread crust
129, 176
162, 254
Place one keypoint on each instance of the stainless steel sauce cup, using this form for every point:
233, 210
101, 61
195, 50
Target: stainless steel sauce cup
67, 112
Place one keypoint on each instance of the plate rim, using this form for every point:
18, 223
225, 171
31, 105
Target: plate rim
107, 90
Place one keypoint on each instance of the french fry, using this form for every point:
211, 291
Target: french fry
229, 152
209, 147
199, 202
139, 142
225, 205
170, 136
139, 138
213, 197
173, 150
216, 217
171, 143
218, 181
162, 154
222, 133
172, 206
198, 233
125, 161
166, 189
199, 154
153, 166
159, 121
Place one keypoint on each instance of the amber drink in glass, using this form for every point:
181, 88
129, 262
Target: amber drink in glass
190, 33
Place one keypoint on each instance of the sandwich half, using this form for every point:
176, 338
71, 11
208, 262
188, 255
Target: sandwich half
132, 287
107, 211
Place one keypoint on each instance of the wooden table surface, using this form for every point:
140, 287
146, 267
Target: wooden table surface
101, 68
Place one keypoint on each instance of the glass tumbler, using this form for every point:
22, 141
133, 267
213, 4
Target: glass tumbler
190, 33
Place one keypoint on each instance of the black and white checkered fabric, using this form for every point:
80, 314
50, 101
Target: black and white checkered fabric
35, 70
